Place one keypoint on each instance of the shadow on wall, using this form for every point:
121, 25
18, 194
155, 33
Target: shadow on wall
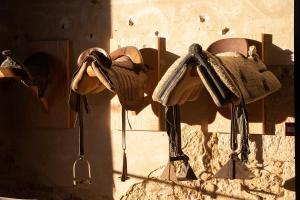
212, 192
150, 57
39, 163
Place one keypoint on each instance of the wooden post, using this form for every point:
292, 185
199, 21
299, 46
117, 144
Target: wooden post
161, 51
266, 42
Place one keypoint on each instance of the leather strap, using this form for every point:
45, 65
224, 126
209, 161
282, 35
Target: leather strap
174, 132
234, 128
239, 124
244, 129
80, 100
124, 176
81, 158
123, 129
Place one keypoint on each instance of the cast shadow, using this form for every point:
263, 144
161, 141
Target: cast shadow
150, 58
50, 153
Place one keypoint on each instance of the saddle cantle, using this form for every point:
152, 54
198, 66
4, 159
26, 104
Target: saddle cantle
235, 78
122, 72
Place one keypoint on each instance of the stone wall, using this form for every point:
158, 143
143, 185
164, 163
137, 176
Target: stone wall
208, 152
203, 22
36, 163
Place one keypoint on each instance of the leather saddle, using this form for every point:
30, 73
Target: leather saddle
33, 73
121, 72
236, 76
228, 76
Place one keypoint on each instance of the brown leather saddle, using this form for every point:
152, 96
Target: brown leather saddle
122, 72
33, 73
233, 74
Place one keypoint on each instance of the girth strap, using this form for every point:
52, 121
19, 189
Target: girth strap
174, 130
234, 128
80, 119
239, 123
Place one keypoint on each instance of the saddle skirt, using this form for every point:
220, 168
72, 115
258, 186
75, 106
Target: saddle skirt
122, 72
229, 77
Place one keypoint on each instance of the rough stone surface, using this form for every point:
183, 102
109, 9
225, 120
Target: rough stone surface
38, 163
208, 152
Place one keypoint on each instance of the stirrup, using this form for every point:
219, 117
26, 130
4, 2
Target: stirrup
169, 172
234, 169
188, 173
76, 180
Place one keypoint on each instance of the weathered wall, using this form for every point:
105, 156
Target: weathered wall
37, 163
272, 156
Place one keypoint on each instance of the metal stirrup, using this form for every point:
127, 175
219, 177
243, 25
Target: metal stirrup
76, 180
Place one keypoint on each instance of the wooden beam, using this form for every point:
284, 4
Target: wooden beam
161, 51
266, 42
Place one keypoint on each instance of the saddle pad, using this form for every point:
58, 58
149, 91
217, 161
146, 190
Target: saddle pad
251, 75
129, 87
179, 84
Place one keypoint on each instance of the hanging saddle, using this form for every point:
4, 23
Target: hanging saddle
228, 77
236, 78
33, 73
121, 72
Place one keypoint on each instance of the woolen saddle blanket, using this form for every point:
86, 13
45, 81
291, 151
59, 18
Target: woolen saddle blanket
121, 72
228, 77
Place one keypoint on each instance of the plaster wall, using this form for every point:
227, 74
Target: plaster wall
37, 163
